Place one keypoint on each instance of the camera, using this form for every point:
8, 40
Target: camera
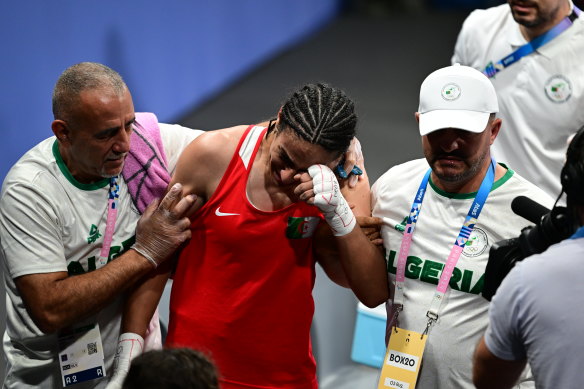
550, 227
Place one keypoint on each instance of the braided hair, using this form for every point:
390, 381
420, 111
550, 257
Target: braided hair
321, 115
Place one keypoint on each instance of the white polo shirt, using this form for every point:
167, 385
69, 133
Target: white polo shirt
540, 97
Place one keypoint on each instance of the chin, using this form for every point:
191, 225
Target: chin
526, 19
449, 174
111, 173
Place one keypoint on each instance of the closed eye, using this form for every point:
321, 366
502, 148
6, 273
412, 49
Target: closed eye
286, 159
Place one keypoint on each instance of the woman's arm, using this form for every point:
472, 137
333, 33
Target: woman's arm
348, 257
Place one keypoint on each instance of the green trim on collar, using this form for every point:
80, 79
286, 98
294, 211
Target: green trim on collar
65, 170
472, 195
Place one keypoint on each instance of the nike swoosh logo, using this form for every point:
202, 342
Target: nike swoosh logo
219, 213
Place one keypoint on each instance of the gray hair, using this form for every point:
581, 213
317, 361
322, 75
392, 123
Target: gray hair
80, 77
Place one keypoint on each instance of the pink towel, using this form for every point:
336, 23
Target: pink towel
145, 169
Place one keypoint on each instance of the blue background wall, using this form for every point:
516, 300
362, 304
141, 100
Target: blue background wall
173, 54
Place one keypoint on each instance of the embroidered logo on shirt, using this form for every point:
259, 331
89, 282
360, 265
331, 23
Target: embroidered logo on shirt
476, 244
450, 92
219, 213
93, 234
301, 227
558, 89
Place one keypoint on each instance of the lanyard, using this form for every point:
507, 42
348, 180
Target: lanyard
112, 214
455, 252
528, 48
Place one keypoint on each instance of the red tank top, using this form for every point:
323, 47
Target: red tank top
242, 289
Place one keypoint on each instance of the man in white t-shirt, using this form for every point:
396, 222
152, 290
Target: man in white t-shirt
69, 252
540, 95
457, 123
536, 314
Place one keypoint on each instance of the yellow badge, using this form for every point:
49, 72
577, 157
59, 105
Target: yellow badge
403, 359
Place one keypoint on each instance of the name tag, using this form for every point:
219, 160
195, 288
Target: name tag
402, 360
81, 355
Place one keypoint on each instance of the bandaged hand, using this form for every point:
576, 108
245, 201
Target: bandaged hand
130, 345
164, 226
328, 198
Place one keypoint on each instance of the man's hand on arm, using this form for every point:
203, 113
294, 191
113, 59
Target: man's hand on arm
164, 227
56, 300
371, 227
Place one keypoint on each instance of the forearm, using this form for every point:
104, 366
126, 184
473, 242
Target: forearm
143, 300
364, 267
68, 299
489, 371
326, 253
138, 311
363, 262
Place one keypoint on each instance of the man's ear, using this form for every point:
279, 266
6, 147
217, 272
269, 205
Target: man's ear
61, 130
495, 128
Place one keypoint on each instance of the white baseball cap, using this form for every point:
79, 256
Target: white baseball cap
456, 97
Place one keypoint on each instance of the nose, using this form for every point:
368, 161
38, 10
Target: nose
287, 175
122, 142
448, 139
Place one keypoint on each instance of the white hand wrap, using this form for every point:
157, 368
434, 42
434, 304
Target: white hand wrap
329, 199
130, 345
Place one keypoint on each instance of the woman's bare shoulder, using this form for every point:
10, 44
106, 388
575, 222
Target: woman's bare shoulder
205, 160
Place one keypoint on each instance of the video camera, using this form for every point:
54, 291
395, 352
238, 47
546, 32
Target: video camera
549, 227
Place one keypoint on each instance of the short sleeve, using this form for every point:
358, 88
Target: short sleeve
503, 336
30, 232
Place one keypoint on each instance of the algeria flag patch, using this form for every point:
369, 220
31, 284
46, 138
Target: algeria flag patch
301, 227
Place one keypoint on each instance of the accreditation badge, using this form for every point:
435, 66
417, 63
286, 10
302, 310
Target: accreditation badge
81, 356
403, 359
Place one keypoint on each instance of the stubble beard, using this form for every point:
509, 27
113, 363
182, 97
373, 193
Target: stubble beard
108, 175
538, 20
463, 176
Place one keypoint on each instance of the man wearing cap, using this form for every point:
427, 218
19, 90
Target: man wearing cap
532, 50
445, 211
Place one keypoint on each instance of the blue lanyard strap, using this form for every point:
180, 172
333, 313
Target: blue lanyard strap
528, 48
477, 206
417, 204
473, 212
114, 191
456, 251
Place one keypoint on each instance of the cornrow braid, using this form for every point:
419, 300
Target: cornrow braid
322, 115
